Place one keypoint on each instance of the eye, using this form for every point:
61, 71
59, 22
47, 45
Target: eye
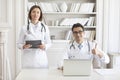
77, 32
38, 12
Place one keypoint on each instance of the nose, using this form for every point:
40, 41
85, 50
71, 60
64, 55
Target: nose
78, 34
35, 13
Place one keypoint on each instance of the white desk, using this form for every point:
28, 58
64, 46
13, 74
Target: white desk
54, 74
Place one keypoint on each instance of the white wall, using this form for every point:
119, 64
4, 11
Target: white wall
11, 17
114, 26
7, 21
11, 40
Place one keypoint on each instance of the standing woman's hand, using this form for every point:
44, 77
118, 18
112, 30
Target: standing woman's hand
42, 46
26, 46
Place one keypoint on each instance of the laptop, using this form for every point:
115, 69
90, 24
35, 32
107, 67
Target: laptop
77, 67
34, 43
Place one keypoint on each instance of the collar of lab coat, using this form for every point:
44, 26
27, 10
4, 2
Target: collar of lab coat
77, 44
32, 26
38, 25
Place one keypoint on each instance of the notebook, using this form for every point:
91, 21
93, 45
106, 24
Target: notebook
34, 43
77, 67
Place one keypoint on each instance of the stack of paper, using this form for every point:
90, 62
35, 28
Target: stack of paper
71, 21
49, 7
87, 7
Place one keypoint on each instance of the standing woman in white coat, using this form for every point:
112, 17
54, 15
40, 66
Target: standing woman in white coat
34, 30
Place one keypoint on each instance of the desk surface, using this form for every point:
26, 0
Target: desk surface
54, 74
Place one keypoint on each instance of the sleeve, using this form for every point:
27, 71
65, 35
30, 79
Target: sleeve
21, 39
68, 50
105, 59
65, 56
99, 62
47, 38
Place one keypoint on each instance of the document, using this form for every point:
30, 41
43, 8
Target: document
107, 71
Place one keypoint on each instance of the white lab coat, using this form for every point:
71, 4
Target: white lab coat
85, 53
34, 58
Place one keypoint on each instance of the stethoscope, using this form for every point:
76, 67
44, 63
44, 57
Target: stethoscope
43, 27
73, 46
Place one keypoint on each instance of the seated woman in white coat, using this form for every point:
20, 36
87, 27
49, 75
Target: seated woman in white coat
34, 30
81, 48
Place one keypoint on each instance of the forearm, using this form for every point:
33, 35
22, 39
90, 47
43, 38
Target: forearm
20, 46
47, 46
103, 57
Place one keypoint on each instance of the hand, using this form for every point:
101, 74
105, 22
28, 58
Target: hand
42, 46
60, 68
95, 51
27, 46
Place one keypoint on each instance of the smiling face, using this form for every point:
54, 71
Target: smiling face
78, 33
35, 14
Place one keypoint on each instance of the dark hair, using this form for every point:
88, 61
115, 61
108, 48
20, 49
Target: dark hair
77, 25
33, 7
